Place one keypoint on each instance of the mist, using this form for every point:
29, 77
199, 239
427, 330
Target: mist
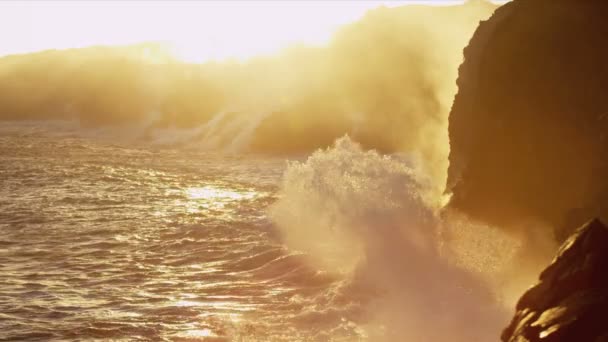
411, 269
364, 225
387, 80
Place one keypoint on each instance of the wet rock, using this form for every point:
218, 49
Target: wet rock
528, 126
568, 303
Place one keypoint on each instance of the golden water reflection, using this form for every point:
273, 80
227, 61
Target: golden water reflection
198, 334
222, 201
213, 198
212, 193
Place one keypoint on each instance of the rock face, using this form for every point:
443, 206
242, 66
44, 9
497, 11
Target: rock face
569, 303
528, 126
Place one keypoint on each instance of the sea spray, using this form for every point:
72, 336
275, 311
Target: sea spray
372, 219
390, 72
508, 259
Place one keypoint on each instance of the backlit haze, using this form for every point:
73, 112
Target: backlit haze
194, 31
241, 171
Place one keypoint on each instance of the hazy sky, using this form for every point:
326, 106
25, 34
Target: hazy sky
197, 30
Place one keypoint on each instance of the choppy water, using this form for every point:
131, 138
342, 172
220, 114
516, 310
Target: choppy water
111, 237
102, 241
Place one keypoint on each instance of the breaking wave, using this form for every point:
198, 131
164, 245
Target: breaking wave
412, 271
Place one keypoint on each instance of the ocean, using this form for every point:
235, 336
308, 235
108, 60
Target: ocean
118, 239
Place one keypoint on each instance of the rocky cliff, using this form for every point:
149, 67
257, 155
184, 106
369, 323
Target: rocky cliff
568, 304
528, 125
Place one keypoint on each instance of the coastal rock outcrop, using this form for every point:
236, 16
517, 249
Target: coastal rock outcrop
528, 126
568, 303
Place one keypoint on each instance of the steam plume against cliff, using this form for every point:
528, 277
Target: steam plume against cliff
419, 275
392, 72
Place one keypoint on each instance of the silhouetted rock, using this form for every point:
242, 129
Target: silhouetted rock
569, 303
529, 123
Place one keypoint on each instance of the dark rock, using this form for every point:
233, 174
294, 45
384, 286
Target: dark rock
528, 126
568, 303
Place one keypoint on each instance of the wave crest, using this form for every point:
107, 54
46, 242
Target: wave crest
374, 219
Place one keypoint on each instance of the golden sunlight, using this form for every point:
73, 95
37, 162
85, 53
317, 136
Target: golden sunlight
194, 31
303, 170
211, 193
213, 198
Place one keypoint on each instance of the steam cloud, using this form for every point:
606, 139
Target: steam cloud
388, 81
392, 72
422, 272
372, 218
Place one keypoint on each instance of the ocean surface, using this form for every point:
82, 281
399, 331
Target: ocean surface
121, 239
102, 241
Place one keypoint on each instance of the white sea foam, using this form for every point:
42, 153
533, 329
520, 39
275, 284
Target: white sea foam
375, 220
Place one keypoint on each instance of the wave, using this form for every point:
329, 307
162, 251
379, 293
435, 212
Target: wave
411, 269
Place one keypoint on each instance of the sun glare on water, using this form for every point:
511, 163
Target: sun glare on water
210, 193
205, 198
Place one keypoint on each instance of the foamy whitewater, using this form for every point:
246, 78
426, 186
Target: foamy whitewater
101, 239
